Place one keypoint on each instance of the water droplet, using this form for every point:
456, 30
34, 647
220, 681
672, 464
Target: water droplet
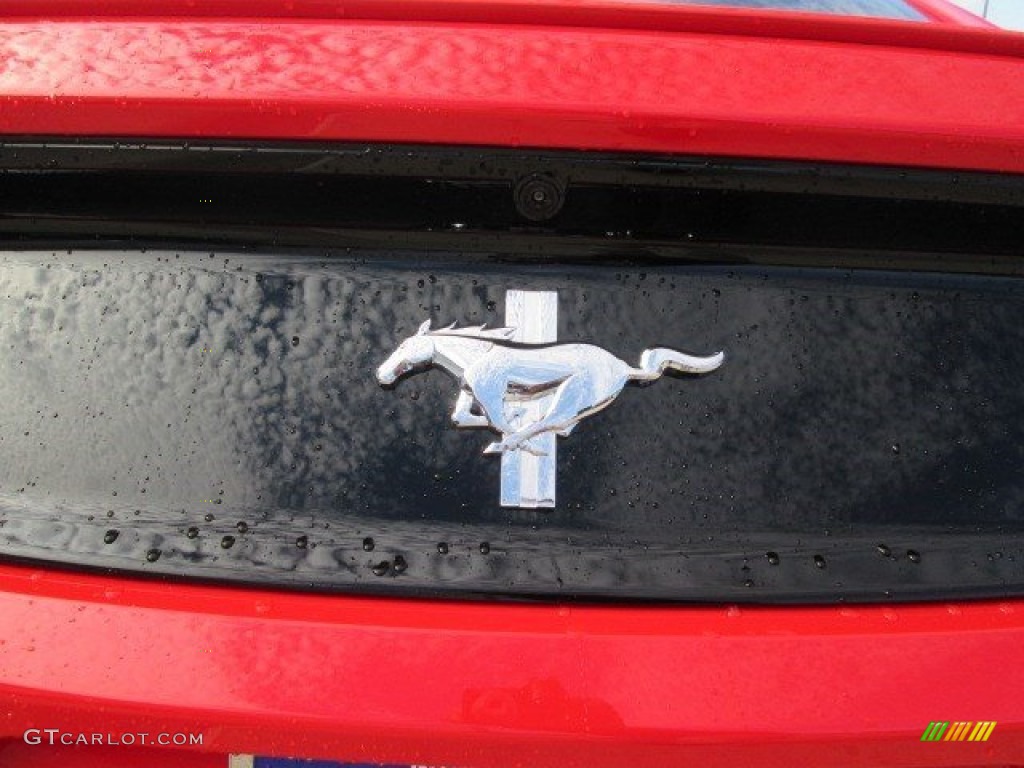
442, 548
381, 568
110, 536
192, 532
748, 583
295, 341
302, 542
773, 558
368, 544
485, 548
913, 556
227, 542
153, 555
242, 526
819, 561
895, 447
883, 550
208, 517
400, 564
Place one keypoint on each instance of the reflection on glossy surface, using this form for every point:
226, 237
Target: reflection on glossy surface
172, 397
542, 704
893, 9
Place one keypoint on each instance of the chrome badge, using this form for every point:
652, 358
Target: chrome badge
516, 381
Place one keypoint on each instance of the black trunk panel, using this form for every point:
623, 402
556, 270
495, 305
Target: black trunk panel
147, 394
174, 405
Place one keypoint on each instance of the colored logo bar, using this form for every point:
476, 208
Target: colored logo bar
959, 731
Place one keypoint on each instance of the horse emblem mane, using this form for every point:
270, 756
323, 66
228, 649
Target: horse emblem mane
504, 333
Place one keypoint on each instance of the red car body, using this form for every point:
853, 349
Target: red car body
478, 684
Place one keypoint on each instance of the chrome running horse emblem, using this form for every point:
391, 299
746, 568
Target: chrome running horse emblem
516, 382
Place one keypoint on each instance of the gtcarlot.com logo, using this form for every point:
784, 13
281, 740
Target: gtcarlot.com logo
55, 736
963, 730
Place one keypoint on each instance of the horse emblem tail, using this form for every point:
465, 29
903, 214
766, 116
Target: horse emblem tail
654, 362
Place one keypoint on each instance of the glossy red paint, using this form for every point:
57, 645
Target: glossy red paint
475, 684
937, 102
17, 754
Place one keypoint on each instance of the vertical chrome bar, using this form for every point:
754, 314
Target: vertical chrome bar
528, 480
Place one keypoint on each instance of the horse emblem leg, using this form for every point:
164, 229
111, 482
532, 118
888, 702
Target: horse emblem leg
463, 416
569, 404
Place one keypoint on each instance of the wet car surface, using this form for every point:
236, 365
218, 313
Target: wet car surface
226, 528
217, 415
